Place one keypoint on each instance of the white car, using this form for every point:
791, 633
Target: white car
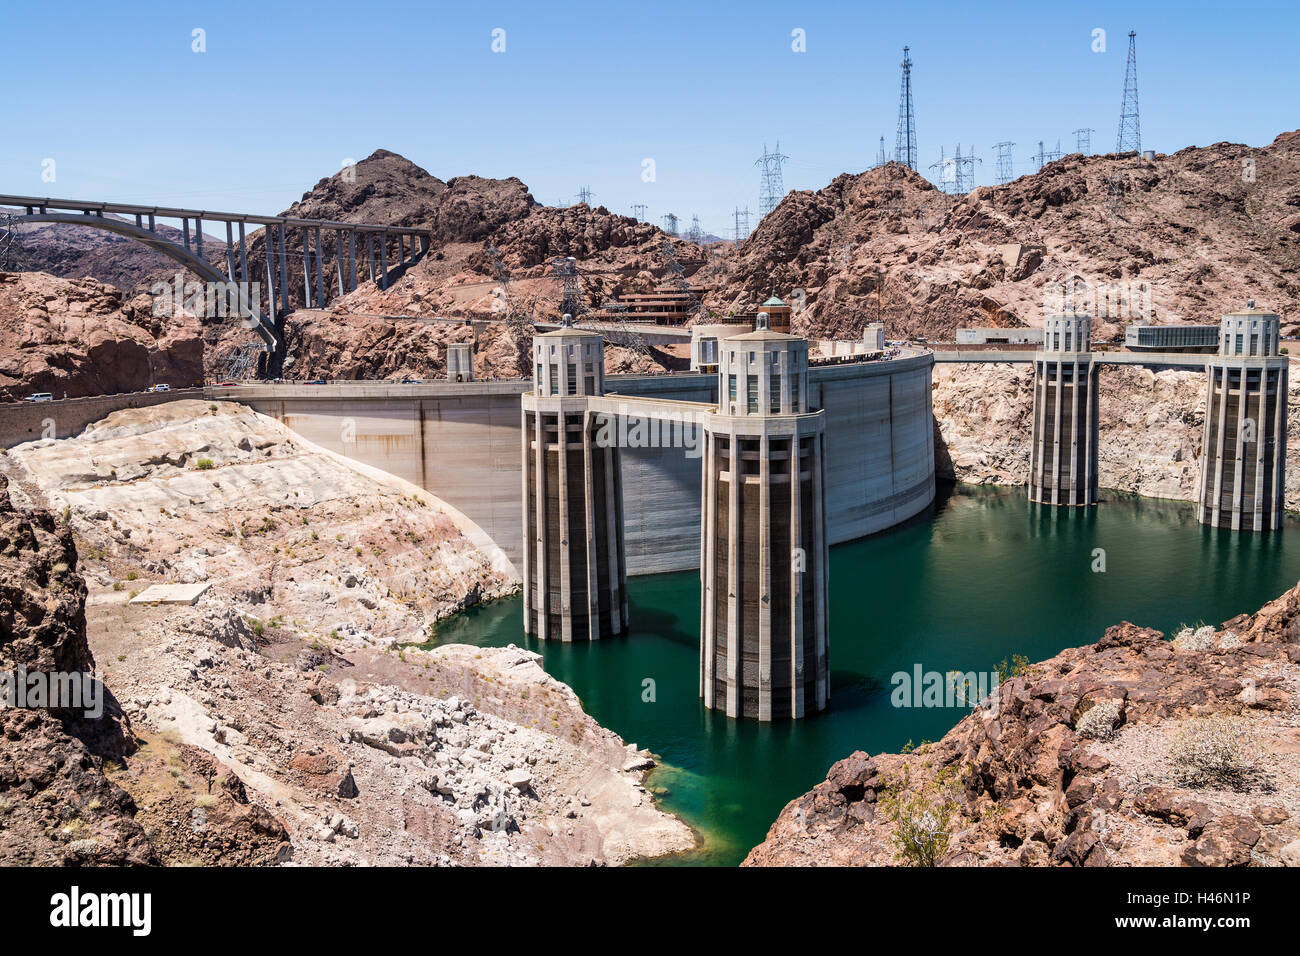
160, 388
39, 397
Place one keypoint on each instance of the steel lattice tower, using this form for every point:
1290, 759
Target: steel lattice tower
741, 216
1004, 162
1129, 139
638, 211
584, 194
966, 170
880, 156
771, 188
1083, 140
566, 270
905, 148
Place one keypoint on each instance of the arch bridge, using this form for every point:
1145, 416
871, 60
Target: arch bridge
330, 250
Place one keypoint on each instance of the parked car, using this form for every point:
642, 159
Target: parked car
39, 397
227, 384
317, 381
162, 387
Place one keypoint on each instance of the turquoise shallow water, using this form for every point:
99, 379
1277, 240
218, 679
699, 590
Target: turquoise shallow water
980, 576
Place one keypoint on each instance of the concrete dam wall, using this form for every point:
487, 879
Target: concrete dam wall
462, 442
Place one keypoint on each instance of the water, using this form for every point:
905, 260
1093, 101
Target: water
978, 578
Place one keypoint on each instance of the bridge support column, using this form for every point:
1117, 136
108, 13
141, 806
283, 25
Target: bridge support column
383, 261
763, 637
338, 259
306, 270
1243, 459
352, 260
320, 275
284, 269
575, 573
1063, 450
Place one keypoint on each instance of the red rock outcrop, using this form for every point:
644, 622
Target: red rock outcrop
77, 337
1036, 781
1206, 227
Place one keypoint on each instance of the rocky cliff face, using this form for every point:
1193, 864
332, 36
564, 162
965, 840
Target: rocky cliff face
1150, 428
1206, 227
58, 805
1130, 751
78, 337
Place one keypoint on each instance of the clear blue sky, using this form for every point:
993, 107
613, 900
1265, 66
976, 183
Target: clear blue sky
584, 92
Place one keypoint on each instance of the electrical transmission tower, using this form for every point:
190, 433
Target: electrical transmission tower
1129, 139
957, 174
670, 224
1083, 141
516, 322
1055, 154
1004, 162
9, 244
565, 271
771, 188
638, 211
695, 234
905, 148
742, 223
584, 195
966, 170
947, 171
1116, 186
880, 155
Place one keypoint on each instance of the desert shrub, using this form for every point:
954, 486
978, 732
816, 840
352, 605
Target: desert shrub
1100, 720
1218, 751
1194, 638
203, 464
922, 817
1019, 664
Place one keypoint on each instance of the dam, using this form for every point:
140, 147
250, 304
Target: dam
461, 441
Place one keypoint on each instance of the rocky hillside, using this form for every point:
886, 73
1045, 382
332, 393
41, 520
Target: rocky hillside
1150, 428
1134, 751
296, 709
492, 243
886, 243
74, 337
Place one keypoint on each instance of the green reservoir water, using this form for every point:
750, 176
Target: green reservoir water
979, 577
